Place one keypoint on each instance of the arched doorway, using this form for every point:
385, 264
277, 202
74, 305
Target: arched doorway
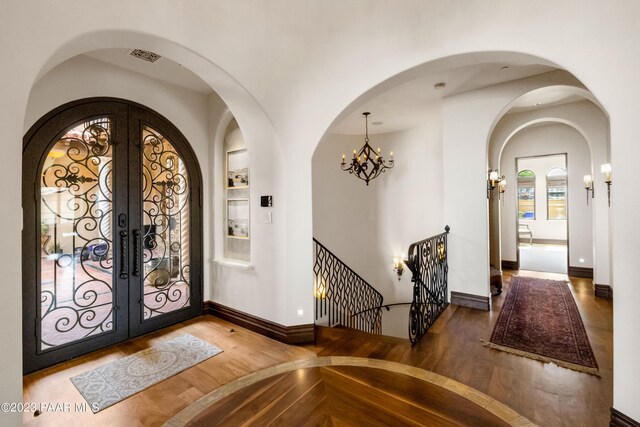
112, 241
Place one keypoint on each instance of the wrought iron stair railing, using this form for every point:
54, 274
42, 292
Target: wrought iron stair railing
344, 296
427, 261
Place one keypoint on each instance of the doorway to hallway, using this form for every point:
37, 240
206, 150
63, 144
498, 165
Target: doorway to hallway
542, 205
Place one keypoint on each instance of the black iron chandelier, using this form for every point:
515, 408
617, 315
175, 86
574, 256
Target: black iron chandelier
366, 164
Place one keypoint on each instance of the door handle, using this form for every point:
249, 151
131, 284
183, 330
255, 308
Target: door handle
124, 256
136, 253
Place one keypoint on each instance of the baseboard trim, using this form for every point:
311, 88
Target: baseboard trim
585, 272
618, 419
550, 241
602, 291
296, 334
469, 300
509, 265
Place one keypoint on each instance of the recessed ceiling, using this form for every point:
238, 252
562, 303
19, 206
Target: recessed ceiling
406, 105
545, 97
163, 69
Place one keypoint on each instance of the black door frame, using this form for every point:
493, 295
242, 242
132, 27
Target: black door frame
128, 119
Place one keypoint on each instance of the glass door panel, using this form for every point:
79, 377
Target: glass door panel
76, 263
165, 226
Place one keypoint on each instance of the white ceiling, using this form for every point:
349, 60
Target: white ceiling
402, 107
163, 69
406, 106
545, 97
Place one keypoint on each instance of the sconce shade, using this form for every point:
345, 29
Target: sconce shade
398, 267
493, 178
606, 170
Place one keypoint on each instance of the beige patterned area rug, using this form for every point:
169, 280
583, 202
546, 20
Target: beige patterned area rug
117, 380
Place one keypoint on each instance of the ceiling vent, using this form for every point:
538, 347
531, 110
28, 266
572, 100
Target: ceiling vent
145, 55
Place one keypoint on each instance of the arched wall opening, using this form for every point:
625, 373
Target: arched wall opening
545, 141
590, 124
429, 187
76, 72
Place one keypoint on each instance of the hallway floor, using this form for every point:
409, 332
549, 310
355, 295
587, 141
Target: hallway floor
543, 257
544, 393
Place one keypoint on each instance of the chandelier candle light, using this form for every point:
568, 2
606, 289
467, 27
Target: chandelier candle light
366, 164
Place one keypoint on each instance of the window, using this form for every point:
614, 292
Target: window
557, 194
526, 195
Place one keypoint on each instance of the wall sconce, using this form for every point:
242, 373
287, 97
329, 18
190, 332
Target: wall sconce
398, 267
502, 186
606, 170
589, 186
441, 252
320, 289
492, 179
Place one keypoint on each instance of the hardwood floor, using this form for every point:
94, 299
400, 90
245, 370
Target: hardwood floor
345, 395
544, 393
244, 352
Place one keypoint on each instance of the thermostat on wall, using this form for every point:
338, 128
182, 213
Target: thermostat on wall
266, 201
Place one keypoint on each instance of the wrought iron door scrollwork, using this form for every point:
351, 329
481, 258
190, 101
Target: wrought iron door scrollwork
76, 295
165, 239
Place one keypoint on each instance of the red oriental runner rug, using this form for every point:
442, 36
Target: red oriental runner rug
540, 320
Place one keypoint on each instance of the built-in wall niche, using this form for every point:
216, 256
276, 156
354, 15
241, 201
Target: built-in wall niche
237, 181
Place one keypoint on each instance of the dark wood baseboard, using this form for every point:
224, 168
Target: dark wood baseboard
585, 272
296, 334
469, 300
509, 265
549, 241
602, 291
618, 419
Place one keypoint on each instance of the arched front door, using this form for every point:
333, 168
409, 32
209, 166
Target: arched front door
112, 240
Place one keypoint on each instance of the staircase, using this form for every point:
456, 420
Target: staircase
342, 297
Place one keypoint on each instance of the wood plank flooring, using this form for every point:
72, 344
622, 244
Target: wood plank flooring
244, 352
544, 393
345, 395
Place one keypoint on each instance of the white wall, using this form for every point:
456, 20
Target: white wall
367, 226
548, 139
541, 226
